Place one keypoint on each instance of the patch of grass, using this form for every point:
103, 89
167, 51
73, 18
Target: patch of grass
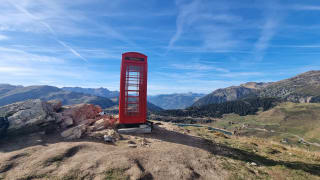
285, 121
54, 159
34, 176
228, 166
274, 160
60, 157
116, 174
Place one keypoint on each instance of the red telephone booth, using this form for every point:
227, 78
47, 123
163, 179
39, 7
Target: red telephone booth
133, 89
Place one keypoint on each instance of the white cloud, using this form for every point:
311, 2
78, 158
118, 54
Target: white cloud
267, 33
49, 28
15, 71
306, 7
241, 74
3, 37
186, 12
198, 67
272, 21
15, 55
204, 23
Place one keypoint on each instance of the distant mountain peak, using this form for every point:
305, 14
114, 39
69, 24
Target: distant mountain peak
303, 87
255, 85
176, 100
102, 92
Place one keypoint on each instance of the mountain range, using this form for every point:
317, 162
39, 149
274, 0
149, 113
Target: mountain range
102, 92
164, 101
11, 94
304, 87
175, 101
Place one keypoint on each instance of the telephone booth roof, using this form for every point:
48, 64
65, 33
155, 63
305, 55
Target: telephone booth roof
134, 57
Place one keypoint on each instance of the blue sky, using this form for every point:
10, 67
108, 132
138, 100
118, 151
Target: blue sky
192, 45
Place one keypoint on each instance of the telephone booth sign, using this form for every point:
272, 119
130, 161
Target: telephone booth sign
133, 89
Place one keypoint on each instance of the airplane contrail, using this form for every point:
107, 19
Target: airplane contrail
48, 27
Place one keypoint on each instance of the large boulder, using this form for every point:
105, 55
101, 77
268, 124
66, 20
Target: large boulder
29, 116
80, 114
74, 132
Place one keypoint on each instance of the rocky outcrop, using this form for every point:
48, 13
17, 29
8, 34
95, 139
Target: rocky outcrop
4, 124
301, 88
226, 94
81, 113
29, 116
74, 132
97, 128
72, 121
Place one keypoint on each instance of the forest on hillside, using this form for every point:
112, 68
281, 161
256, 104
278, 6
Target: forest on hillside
242, 107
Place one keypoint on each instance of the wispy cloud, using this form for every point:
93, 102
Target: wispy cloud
49, 28
302, 7
298, 46
186, 11
267, 33
3, 37
16, 71
72, 50
10, 55
212, 27
198, 67
241, 74
272, 21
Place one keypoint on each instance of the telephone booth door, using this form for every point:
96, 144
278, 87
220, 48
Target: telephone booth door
133, 89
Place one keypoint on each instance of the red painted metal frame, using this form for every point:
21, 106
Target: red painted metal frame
134, 61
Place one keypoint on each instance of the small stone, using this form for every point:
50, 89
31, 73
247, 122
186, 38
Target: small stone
253, 164
132, 145
107, 138
131, 142
143, 142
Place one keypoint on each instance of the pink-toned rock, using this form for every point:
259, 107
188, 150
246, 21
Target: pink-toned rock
81, 113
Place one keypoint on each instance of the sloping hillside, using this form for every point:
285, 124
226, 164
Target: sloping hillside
230, 94
11, 94
296, 123
242, 107
300, 88
175, 101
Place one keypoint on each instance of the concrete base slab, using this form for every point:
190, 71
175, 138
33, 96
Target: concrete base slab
143, 130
